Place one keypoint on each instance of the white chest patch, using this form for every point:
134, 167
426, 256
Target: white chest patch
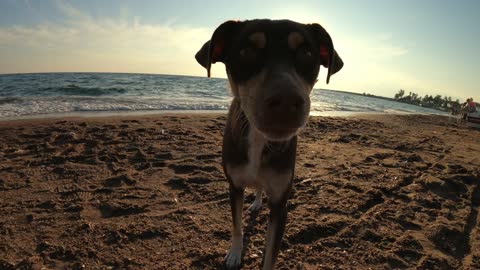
253, 175
247, 175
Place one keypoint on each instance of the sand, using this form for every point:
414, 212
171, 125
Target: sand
148, 192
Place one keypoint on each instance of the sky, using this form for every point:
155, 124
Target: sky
424, 46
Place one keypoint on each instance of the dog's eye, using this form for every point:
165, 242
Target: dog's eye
304, 52
248, 55
246, 52
304, 56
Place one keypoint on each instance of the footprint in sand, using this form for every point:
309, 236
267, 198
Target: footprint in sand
115, 209
189, 168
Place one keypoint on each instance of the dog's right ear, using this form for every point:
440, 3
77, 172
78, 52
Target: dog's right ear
214, 50
329, 57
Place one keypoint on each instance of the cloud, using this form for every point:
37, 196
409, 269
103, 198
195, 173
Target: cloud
70, 11
84, 43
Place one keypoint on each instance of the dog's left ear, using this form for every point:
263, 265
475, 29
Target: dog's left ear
214, 50
328, 56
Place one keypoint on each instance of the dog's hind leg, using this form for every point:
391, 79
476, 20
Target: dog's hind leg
234, 256
257, 204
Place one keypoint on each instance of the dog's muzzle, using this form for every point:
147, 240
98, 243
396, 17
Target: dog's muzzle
283, 112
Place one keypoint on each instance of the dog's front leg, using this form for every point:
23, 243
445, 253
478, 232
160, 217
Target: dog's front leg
275, 230
234, 256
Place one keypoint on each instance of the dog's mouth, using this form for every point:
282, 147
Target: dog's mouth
278, 133
276, 128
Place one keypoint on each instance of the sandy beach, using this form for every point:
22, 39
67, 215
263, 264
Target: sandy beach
148, 192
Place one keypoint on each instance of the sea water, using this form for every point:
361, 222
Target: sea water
50, 94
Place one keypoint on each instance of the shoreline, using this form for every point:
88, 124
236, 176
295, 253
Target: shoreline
361, 93
140, 113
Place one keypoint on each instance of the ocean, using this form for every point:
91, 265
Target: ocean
64, 94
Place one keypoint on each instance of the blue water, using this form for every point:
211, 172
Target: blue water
25, 95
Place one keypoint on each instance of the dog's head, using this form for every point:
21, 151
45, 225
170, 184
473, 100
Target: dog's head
272, 67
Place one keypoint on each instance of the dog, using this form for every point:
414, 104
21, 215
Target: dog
272, 66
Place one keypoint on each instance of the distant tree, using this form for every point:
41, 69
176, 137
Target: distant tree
409, 98
437, 101
429, 101
446, 102
415, 99
400, 94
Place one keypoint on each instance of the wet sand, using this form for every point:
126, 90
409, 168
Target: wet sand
148, 192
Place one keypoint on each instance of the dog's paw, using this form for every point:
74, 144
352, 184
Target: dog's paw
233, 259
255, 207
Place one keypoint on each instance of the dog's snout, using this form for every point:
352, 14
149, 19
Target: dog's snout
288, 103
283, 110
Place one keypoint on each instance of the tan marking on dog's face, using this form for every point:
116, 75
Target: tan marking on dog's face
294, 77
249, 93
258, 39
295, 39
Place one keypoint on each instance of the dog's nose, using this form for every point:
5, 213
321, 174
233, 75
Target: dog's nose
285, 103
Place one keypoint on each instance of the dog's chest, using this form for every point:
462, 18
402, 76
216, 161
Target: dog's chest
248, 174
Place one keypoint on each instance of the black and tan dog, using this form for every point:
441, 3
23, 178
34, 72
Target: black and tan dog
272, 67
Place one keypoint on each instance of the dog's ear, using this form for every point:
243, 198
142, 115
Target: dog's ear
328, 56
214, 50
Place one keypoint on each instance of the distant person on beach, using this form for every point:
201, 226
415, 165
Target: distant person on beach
463, 110
471, 107
454, 110
468, 107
